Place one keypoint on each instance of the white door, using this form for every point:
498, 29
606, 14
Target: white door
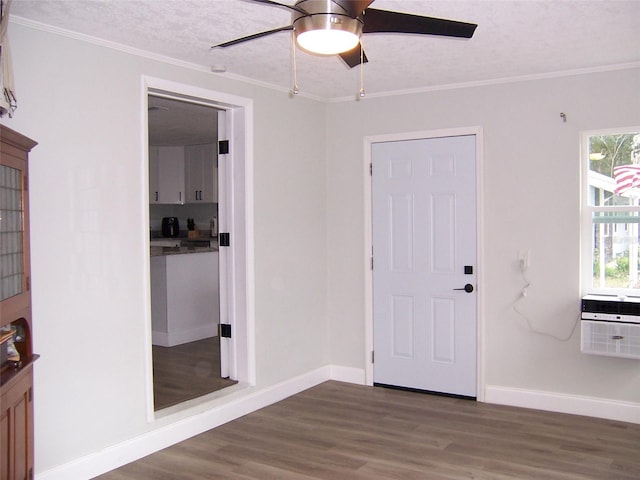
225, 268
424, 254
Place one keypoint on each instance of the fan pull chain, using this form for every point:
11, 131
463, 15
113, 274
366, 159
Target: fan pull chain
361, 69
295, 90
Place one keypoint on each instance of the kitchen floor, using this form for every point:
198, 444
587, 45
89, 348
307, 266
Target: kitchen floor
186, 371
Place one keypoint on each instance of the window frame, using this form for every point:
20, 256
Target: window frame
587, 215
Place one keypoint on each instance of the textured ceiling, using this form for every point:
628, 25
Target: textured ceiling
175, 122
513, 39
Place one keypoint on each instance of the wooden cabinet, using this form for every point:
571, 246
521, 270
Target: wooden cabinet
16, 428
16, 353
166, 175
201, 176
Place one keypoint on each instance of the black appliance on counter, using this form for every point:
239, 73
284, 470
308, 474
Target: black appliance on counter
170, 227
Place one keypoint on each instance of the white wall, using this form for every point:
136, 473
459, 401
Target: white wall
531, 201
82, 103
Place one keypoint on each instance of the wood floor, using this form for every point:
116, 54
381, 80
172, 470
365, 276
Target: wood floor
186, 371
343, 431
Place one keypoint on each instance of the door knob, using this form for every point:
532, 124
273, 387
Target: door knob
467, 288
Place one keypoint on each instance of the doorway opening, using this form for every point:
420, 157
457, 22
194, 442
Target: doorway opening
195, 193
184, 250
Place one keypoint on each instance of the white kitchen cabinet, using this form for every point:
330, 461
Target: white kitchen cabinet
154, 168
201, 174
166, 174
185, 304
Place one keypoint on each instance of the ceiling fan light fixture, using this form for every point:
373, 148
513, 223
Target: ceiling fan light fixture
327, 42
327, 34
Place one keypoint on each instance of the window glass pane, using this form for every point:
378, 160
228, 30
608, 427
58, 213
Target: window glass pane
615, 250
614, 169
11, 214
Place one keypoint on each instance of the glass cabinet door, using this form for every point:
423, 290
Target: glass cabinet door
12, 261
15, 294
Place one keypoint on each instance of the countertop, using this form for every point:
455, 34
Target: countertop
189, 245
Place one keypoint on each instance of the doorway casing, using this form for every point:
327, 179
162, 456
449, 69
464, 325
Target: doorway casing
368, 240
236, 218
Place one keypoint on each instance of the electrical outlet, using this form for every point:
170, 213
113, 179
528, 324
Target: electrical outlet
524, 259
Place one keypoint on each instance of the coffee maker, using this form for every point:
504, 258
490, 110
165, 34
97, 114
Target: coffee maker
170, 227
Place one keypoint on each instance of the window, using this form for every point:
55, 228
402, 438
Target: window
611, 211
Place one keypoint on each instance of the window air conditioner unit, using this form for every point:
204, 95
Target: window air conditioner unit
610, 326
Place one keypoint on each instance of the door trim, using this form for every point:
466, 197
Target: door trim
368, 241
239, 223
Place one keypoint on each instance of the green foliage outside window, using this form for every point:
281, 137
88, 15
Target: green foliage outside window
615, 150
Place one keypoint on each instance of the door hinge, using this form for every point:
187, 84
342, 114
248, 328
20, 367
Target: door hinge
224, 330
371, 169
30, 395
223, 147
31, 473
371, 263
373, 356
26, 183
224, 240
28, 282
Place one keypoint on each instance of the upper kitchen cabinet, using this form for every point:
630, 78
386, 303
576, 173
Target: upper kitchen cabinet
154, 171
201, 174
166, 175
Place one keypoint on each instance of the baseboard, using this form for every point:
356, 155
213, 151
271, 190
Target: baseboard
204, 417
171, 339
347, 374
159, 338
558, 402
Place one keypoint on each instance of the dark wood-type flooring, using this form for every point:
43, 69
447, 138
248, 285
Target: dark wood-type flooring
186, 371
343, 431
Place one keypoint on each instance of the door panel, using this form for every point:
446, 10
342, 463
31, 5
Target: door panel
443, 238
402, 321
443, 330
424, 233
401, 210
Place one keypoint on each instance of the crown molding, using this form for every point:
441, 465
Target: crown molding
497, 81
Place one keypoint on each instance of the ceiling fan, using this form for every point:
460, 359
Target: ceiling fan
330, 27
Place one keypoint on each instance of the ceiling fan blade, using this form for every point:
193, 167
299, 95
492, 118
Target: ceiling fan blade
353, 8
253, 37
352, 57
278, 4
383, 21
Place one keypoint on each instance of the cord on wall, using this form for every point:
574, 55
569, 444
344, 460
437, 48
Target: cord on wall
524, 259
